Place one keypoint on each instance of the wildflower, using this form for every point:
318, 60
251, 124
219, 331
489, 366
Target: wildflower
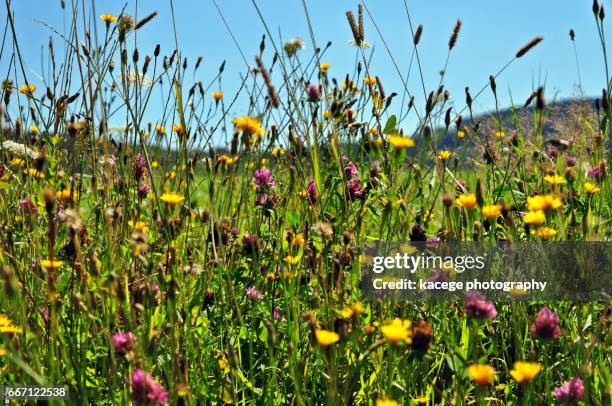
145, 390
160, 129
314, 92
292, 260
467, 201
298, 240
545, 202
397, 331
278, 152
352, 311
311, 192
28, 90
123, 342
369, 80
126, 23
140, 164
172, 198
460, 134
7, 326
545, 233
19, 149
399, 142
154, 164
324, 67
571, 391
571, 161
35, 173
386, 402
292, 46
136, 78
17, 162
481, 374
491, 212
248, 125
596, 173
139, 226
108, 18
144, 189
591, 188
499, 134
66, 195
546, 324
355, 190
179, 129
422, 336
525, 371
444, 155
554, 180
476, 305
268, 201
253, 294
534, 217
263, 179
27, 206
218, 95
51, 264
350, 170
325, 338
34, 129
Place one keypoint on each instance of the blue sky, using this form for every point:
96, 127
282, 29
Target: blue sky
492, 32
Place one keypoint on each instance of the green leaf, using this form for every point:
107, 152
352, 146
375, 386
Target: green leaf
390, 125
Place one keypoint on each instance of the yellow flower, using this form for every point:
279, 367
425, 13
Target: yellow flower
481, 374
66, 194
34, 129
108, 18
399, 141
554, 179
591, 188
444, 155
499, 134
467, 201
7, 326
525, 371
545, 232
278, 151
160, 129
51, 264
218, 95
324, 67
421, 399
348, 84
248, 125
178, 129
545, 203
325, 338
28, 90
2, 352
369, 80
291, 260
386, 402
396, 331
172, 198
491, 212
139, 226
17, 162
171, 175
534, 217
298, 240
460, 134
353, 310
35, 173
154, 164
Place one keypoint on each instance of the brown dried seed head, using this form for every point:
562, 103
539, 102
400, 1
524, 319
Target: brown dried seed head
527, 47
453, 39
354, 27
417, 34
145, 20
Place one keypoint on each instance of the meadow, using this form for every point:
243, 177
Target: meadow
147, 262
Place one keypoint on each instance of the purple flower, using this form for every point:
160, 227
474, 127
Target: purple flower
596, 173
263, 179
145, 390
28, 206
478, 306
570, 391
275, 313
433, 240
123, 342
571, 161
546, 324
314, 92
251, 244
355, 190
311, 191
253, 294
140, 167
267, 201
144, 189
350, 170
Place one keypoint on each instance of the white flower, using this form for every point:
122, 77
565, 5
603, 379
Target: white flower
19, 149
293, 45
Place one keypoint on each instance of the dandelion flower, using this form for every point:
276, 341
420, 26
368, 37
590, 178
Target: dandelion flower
66, 195
7, 326
400, 142
218, 95
179, 129
292, 260
386, 402
444, 155
51, 264
172, 198
499, 134
28, 90
108, 18
34, 129
491, 212
369, 80
397, 331
325, 338
554, 180
248, 125
460, 134
353, 310
139, 226
525, 371
545, 233
545, 202
324, 67
534, 217
160, 129
278, 151
481, 374
467, 201
591, 188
